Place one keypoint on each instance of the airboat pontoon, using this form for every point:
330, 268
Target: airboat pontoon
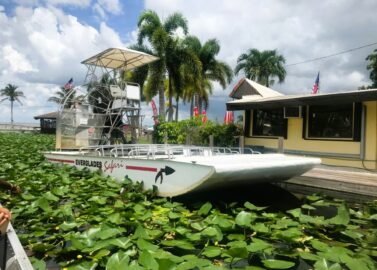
91, 120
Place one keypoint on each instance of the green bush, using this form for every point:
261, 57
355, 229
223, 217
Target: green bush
194, 132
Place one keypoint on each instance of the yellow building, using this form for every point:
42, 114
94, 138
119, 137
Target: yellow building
340, 128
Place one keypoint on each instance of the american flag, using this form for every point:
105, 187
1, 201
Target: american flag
69, 84
316, 85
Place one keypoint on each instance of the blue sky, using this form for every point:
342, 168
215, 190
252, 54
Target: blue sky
43, 41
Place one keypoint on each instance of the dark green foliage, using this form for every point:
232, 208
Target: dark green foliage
372, 67
80, 220
196, 133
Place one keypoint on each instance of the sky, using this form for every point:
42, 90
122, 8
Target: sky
42, 42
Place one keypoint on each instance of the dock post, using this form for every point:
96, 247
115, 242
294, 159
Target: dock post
280, 144
241, 144
211, 140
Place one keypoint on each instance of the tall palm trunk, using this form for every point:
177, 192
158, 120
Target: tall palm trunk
161, 103
176, 108
200, 104
192, 106
170, 90
11, 112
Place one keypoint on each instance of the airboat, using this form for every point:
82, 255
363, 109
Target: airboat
90, 134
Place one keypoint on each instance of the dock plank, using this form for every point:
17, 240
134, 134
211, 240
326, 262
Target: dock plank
338, 182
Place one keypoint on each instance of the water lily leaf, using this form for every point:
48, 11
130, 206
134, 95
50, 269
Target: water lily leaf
295, 212
38, 264
109, 232
182, 230
308, 207
308, 256
252, 207
239, 237
51, 197
118, 204
243, 218
84, 266
141, 233
166, 264
222, 222
146, 259
67, 226
209, 231
115, 218
211, 252
98, 199
238, 252
173, 215
193, 237
260, 227
258, 245
118, 261
277, 264
318, 245
353, 234
237, 244
122, 242
313, 197
42, 203
325, 265
178, 243
342, 218
145, 245
197, 226
27, 197
193, 263
101, 253
204, 210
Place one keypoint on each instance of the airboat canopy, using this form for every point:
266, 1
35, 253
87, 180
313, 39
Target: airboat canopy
116, 58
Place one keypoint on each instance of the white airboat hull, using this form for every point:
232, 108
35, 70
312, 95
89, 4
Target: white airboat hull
185, 174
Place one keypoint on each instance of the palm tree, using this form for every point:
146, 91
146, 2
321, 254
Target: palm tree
10, 93
212, 70
62, 94
166, 45
372, 66
262, 66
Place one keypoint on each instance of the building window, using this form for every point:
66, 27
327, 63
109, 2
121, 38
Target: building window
335, 122
269, 123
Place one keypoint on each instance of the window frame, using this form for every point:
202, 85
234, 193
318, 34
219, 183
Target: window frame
356, 124
285, 125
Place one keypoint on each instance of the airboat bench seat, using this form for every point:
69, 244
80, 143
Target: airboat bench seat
131, 91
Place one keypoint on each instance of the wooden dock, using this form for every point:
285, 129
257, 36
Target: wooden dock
351, 184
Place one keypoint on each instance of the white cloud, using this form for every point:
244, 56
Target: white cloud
102, 7
47, 40
111, 6
18, 63
78, 3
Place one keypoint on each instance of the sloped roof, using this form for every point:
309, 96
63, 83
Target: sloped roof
302, 100
249, 89
115, 58
50, 115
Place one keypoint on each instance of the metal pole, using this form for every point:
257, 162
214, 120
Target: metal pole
280, 144
211, 140
242, 144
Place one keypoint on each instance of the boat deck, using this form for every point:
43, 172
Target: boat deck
355, 185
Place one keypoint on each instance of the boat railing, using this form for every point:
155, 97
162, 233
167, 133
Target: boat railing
153, 151
12, 254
